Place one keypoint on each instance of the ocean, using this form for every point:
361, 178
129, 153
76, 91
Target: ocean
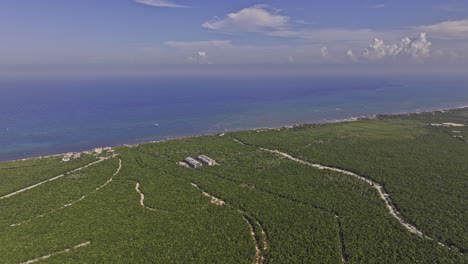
44, 117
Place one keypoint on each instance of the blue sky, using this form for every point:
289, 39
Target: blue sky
160, 32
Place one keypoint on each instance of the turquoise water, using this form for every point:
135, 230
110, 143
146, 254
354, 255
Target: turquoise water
42, 117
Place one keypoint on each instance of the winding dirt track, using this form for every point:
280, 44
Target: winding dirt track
142, 198
383, 195
54, 178
76, 201
259, 251
56, 253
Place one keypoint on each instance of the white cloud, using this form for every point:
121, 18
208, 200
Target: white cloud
420, 48
447, 30
351, 55
379, 49
252, 19
199, 44
159, 3
324, 51
416, 49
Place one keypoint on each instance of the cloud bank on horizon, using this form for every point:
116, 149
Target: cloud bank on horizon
415, 49
268, 21
239, 32
448, 29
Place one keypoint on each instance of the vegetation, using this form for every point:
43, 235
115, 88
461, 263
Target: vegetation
298, 213
19, 174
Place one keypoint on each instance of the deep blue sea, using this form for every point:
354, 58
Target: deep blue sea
42, 117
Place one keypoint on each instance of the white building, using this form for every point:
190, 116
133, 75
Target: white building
207, 160
98, 150
193, 162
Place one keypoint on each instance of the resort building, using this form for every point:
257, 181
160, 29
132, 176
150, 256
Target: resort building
98, 150
67, 157
207, 160
193, 162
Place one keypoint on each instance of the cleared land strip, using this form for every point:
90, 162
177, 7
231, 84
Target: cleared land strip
383, 195
56, 253
72, 203
259, 250
344, 256
55, 178
142, 198
238, 141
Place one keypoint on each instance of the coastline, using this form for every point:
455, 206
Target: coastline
350, 119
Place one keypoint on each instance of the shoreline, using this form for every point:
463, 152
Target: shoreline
350, 119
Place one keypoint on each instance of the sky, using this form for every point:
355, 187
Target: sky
108, 33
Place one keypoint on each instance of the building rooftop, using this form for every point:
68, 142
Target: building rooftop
207, 160
193, 162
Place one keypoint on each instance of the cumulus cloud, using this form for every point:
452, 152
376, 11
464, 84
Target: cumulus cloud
447, 30
379, 49
199, 44
252, 19
324, 51
351, 55
416, 48
159, 3
420, 48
